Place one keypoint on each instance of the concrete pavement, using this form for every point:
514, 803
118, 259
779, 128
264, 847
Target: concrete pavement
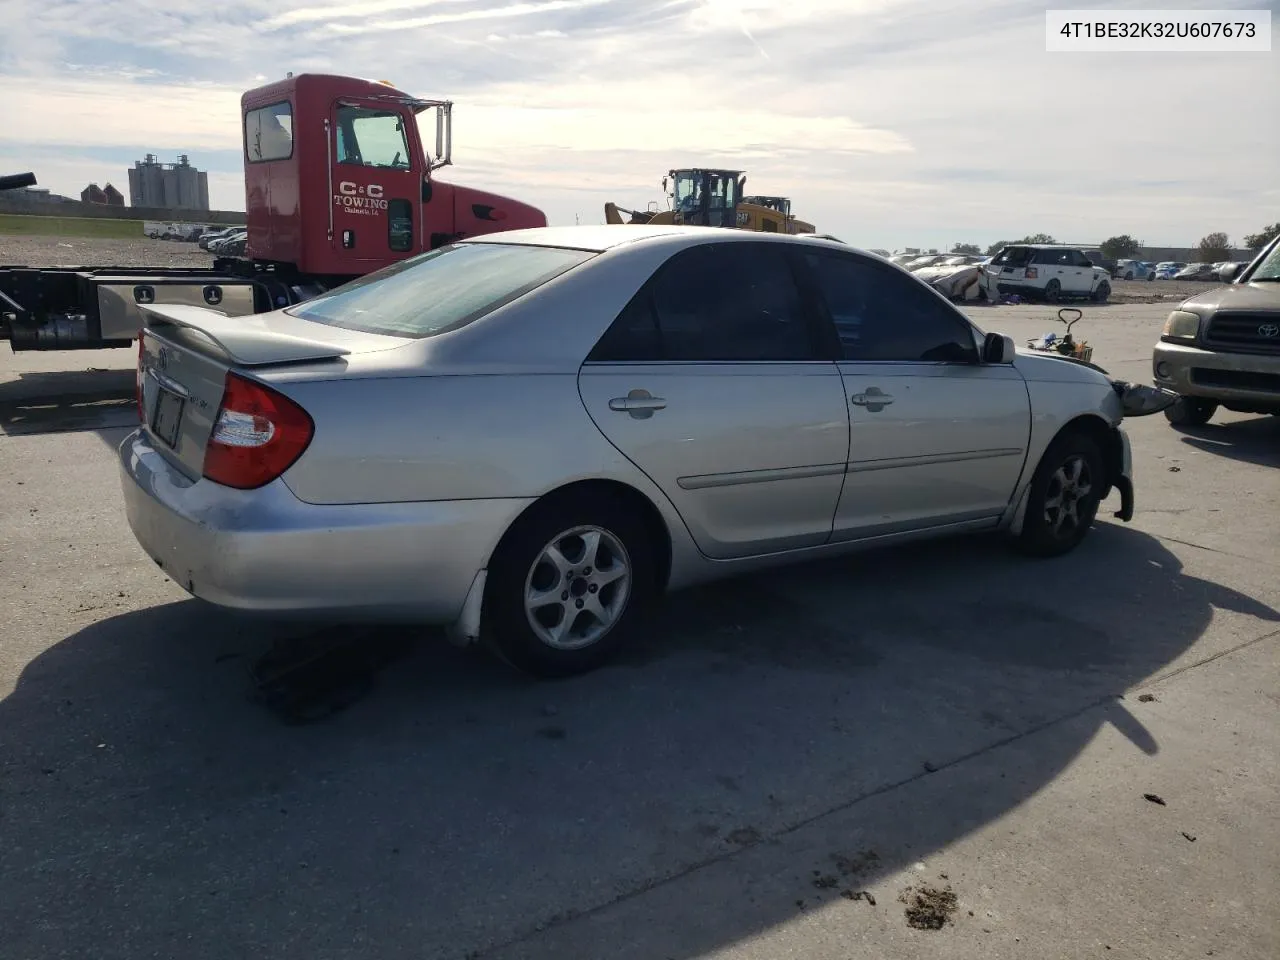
857, 726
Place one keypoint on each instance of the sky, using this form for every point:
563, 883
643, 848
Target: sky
889, 123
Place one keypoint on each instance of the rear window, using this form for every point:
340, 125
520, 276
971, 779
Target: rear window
1015, 256
441, 290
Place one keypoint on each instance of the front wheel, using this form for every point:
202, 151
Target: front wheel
1102, 293
566, 585
1062, 503
1128, 276
1190, 411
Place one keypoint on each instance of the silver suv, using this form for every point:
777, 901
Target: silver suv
1222, 347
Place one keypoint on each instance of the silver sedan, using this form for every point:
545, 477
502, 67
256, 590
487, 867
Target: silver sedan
529, 436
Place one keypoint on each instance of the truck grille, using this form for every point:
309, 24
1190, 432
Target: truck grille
1245, 332
1237, 380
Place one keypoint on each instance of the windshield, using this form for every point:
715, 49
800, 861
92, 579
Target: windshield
441, 290
1269, 268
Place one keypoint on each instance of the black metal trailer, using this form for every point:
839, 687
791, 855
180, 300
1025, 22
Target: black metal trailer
89, 308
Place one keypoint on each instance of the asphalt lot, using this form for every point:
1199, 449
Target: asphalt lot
764, 778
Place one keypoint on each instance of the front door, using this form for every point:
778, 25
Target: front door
712, 382
935, 437
377, 184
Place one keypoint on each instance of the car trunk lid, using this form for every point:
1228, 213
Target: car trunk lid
185, 354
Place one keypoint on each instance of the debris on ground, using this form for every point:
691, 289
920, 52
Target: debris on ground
824, 881
859, 895
1189, 836
1155, 798
928, 908
1147, 698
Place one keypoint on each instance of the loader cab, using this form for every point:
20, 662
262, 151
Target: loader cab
705, 198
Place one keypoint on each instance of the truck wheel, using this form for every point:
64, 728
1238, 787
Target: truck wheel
567, 584
1064, 496
1053, 291
1102, 293
1129, 275
1190, 411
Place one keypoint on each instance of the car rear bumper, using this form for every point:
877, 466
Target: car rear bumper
1231, 378
268, 552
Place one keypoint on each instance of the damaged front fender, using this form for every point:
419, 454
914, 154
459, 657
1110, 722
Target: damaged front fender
1141, 400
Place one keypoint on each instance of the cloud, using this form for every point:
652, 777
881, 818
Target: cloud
888, 122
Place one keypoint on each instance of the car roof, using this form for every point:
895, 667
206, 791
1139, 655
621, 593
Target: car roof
602, 237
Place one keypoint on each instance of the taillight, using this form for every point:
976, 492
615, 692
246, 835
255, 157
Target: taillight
257, 435
142, 414
1032, 273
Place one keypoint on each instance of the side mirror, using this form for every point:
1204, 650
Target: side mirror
1228, 273
997, 348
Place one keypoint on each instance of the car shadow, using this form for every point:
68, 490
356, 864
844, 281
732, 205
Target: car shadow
1249, 441
462, 807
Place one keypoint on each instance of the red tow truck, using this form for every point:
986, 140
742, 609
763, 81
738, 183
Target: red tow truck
338, 183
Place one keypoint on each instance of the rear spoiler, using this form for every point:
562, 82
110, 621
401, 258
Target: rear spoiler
248, 341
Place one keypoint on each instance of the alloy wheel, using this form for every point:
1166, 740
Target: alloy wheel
577, 588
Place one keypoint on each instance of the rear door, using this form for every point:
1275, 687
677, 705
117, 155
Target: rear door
1008, 266
377, 184
714, 383
936, 437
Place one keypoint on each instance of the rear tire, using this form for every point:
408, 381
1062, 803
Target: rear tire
1190, 411
1053, 291
1102, 293
567, 585
1064, 496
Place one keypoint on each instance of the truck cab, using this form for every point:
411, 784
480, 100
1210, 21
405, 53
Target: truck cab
339, 180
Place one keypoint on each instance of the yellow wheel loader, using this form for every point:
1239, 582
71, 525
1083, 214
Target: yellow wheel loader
713, 198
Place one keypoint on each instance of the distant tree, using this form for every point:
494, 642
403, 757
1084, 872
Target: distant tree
1256, 241
1213, 248
1123, 247
1033, 238
972, 249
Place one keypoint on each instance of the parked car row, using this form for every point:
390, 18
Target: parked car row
228, 243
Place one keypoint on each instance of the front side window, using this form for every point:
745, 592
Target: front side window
268, 133
441, 290
715, 302
880, 315
372, 138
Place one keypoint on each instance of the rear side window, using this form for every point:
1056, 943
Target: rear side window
1014, 257
268, 133
715, 302
441, 290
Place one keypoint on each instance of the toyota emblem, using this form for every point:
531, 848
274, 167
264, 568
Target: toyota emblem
1269, 330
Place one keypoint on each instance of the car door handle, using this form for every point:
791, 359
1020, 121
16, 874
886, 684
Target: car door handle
874, 399
639, 403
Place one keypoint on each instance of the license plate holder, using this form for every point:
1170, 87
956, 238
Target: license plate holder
166, 415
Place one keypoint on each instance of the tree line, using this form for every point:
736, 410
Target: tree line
1211, 248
